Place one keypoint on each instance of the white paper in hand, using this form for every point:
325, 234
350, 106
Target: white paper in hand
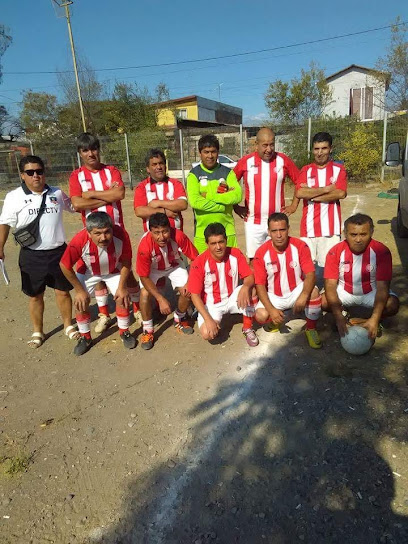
4, 272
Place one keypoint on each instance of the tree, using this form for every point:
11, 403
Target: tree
162, 92
293, 102
39, 112
5, 41
361, 151
395, 64
130, 109
9, 125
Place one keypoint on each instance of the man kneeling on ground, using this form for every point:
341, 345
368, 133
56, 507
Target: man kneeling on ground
213, 284
160, 255
358, 272
285, 279
103, 253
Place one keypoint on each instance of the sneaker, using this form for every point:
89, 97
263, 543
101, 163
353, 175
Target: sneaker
183, 327
147, 340
128, 340
250, 337
104, 322
83, 345
313, 338
271, 327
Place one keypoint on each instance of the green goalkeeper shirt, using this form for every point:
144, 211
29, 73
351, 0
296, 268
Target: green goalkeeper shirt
208, 205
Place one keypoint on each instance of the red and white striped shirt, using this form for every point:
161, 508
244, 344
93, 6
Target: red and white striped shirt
264, 184
321, 218
151, 256
169, 189
358, 273
215, 280
82, 180
99, 261
282, 272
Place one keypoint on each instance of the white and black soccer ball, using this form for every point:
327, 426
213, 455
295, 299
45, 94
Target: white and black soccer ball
356, 341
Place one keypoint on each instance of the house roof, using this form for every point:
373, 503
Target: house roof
362, 68
177, 100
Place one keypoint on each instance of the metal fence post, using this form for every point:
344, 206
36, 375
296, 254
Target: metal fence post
182, 156
31, 147
309, 134
128, 160
241, 140
79, 160
384, 147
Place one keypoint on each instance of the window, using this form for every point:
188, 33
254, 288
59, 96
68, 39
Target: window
182, 113
361, 102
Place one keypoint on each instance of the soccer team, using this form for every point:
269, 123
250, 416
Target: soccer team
283, 273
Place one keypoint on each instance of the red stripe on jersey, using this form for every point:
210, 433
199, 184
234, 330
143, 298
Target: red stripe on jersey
348, 269
228, 277
316, 207
290, 269
277, 288
366, 272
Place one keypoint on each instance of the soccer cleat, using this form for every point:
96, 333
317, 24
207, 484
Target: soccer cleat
183, 327
313, 338
104, 322
271, 327
147, 340
83, 345
128, 340
250, 337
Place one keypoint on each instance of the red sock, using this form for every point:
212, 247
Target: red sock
246, 322
136, 307
311, 323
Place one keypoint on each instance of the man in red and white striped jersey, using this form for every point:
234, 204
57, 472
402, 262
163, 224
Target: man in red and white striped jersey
160, 255
321, 185
358, 272
214, 285
264, 173
98, 187
159, 193
102, 252
285, 279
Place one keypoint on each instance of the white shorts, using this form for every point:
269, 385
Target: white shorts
320, 247
255, 236
89, 282
366, 300
228, 306
178, 276
283, 303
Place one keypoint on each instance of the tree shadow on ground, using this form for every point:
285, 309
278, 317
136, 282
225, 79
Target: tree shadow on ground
305, 445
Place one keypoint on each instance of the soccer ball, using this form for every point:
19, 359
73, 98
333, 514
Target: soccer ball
356, 341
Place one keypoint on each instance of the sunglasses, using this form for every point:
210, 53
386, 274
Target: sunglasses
38, 171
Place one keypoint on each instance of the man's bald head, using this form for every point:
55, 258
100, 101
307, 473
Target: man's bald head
265, 144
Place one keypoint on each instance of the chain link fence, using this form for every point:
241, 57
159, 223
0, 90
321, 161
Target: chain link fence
352, 139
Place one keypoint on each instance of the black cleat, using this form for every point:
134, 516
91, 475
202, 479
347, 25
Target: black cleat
83, 345
128, 340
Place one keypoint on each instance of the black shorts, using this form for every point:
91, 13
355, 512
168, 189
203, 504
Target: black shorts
40, 268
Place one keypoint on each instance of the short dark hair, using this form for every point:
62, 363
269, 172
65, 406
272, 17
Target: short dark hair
278, 216
359, 219
214, 229
34, 159
158, 219
86, 140
322, 137
208, 140
154, 153
98, 220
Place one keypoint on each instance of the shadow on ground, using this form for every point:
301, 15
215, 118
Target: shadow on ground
297, 448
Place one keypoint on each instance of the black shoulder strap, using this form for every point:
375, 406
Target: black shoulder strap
42, 207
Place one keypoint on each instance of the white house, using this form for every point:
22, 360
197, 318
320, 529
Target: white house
359, 91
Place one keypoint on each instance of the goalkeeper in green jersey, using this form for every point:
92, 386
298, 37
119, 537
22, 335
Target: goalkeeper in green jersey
212, 190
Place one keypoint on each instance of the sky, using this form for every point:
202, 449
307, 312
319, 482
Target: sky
128, 34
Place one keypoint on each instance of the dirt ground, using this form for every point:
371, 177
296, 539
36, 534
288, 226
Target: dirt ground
199, 443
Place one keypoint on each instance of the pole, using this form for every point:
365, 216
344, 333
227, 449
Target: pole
241, 141
71, 39
384, 147
309, 134
79, 160
182, 156
128, 161
31, 148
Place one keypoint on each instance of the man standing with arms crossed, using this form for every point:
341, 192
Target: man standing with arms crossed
212, 190
99, 187
321, 185
264, 173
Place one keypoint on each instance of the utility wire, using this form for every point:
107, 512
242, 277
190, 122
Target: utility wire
175, 63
